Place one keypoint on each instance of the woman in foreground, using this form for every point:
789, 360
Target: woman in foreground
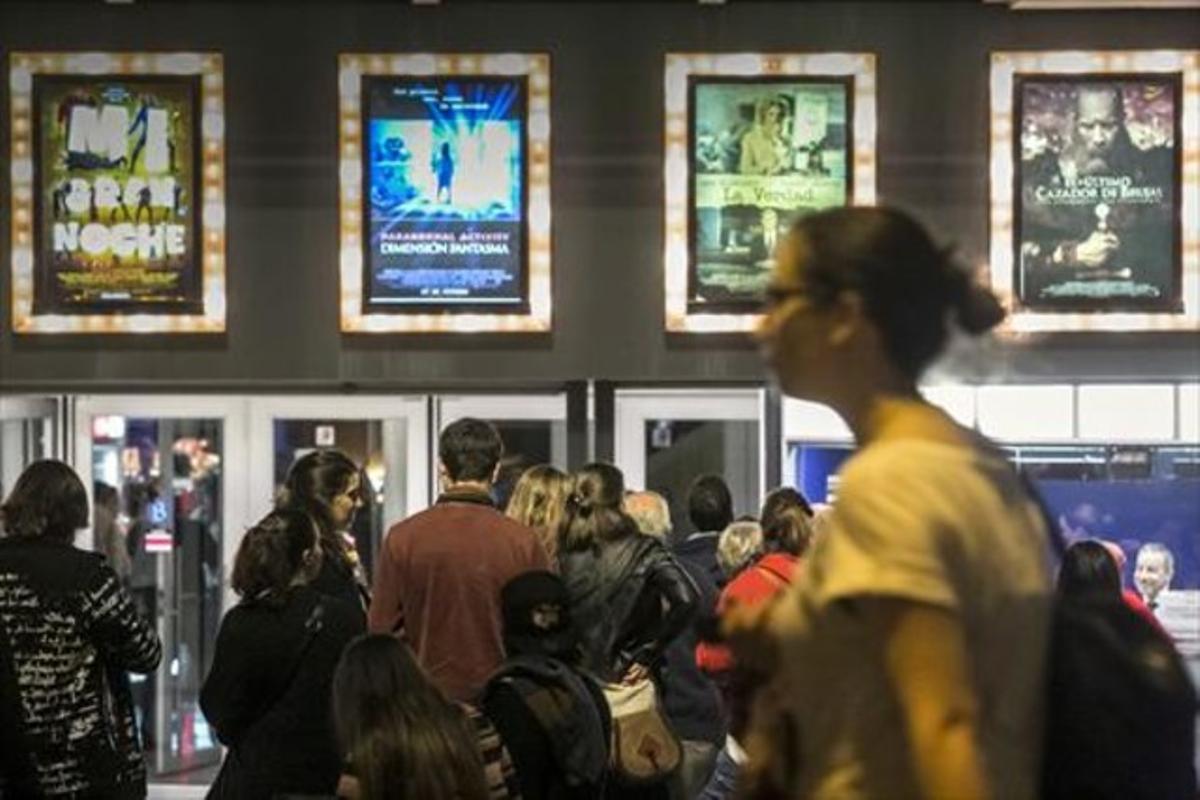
910, 654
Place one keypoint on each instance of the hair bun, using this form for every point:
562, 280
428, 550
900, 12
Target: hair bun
976, 309
578, 505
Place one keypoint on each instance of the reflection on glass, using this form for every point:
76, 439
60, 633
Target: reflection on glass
677, 451
1144, 499
363, 441
159, 496
1131, 495
22, 441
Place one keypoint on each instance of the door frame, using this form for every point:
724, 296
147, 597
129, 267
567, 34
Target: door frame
532, 407
413, 409
231, 410
633, 408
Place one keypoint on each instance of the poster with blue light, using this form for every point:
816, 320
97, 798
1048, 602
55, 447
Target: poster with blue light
445, 194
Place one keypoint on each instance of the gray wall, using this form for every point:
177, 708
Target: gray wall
280, 62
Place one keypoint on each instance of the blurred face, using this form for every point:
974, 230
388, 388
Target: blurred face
343, 506
1098, 122
792, 335
1151, 575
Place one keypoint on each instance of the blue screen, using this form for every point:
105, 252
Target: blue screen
445, 180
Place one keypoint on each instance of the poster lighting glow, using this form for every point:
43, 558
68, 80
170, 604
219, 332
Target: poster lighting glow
118, 220
445, 193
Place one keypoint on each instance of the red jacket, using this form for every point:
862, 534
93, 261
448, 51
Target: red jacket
751, 587
437, 586
1135, 602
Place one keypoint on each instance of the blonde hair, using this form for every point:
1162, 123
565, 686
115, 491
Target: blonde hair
539, 502
740, 544
650, 511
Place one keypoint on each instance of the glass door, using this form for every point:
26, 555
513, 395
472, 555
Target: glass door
386, 436
172, 471
665, 438
533, 427
28, 433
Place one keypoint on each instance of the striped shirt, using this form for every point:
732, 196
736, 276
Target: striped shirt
498, 769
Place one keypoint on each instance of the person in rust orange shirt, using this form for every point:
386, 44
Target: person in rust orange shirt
439, 573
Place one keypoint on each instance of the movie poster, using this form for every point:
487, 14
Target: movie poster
445, 161
1098, 193
115, 172
764, 151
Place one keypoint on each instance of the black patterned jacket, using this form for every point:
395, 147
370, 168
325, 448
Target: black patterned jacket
68, 634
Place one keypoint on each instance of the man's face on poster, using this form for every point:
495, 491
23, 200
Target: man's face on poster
1098, 121
1151, 575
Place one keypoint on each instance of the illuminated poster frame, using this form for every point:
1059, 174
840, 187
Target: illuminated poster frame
682, 70
535, 317
208, 184
1008, 70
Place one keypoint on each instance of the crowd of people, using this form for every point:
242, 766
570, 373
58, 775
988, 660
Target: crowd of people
571, 644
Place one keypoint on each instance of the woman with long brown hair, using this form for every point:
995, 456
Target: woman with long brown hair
628, 595
267, 694
403, 739
328, 486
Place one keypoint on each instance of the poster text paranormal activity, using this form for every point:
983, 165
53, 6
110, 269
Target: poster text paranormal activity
1097, 193
763, 151
445, 160
116, 178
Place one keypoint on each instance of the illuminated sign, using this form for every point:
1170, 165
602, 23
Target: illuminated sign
1095, 219
445, 193
754, 140
118, 193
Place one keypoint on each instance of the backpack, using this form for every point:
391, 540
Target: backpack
1120, 709
569, 712
644, 748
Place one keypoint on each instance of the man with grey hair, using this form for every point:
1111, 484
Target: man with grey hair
651, 513
1153, 571
740, 545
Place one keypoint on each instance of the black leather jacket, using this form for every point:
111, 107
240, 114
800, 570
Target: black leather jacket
629, 599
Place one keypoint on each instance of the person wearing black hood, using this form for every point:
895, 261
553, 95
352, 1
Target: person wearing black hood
552, 717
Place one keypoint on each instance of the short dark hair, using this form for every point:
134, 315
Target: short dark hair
710, 506
780, 498
48, 500
271, 554
470, 449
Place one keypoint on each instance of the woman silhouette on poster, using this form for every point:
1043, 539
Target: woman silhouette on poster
443, 168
